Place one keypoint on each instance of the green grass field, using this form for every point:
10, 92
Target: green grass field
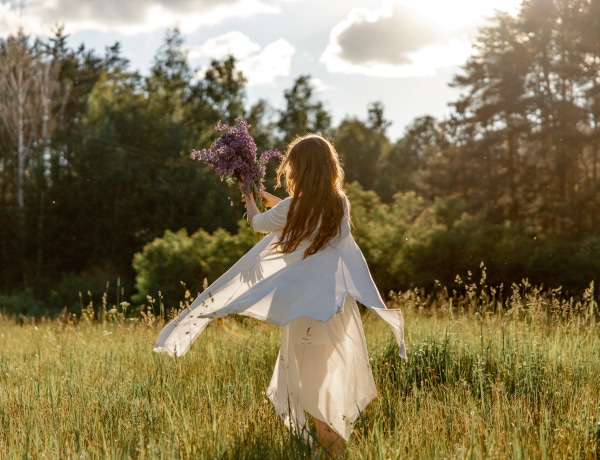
490, 375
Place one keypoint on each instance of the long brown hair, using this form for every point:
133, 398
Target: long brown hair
315, 180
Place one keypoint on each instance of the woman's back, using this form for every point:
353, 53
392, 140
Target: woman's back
314, 179
276, 218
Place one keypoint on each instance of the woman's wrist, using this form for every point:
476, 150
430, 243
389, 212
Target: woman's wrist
251, 208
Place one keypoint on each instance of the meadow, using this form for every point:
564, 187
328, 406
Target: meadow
498, 373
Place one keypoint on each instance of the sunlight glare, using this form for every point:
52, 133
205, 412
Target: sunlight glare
462, 16
460, 13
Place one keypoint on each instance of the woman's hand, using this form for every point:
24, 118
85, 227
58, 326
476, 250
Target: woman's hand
248, 197
251, 208
270, 200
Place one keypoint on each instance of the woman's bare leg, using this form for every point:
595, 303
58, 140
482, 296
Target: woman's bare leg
330, 440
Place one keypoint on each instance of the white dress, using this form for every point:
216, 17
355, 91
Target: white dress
323, 366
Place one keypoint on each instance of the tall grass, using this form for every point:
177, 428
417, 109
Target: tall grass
490, 375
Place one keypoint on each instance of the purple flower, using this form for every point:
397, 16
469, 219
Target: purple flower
233, 157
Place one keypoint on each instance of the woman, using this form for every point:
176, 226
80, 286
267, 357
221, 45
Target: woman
306, 276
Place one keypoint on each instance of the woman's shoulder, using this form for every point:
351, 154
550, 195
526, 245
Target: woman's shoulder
346, 204
283, 206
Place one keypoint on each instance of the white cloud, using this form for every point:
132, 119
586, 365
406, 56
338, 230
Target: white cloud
319, 86
235, 43
274, 60
261, 66
11, 19
407, 38
129, 17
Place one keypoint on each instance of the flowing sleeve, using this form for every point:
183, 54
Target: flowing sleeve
272, 220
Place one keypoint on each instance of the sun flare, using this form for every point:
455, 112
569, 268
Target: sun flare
459, 13
420, 36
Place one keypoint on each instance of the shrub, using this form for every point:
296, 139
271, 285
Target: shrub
23, 303
165, 263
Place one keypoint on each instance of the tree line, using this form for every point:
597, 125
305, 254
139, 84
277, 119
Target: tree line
94, 162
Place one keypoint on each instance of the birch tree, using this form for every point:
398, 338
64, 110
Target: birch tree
28, 84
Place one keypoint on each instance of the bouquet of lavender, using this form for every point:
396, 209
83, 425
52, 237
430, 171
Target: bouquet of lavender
233, 157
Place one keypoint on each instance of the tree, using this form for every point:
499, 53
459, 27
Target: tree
404, 165
30, 104
219, 95
361, 145
303, 113
28, 83
523, 129
67, 217
491, 120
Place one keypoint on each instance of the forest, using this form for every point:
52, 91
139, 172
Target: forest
98, 193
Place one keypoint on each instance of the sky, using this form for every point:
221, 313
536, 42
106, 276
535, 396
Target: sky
402, 53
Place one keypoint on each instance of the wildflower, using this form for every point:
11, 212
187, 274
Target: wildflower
233, 156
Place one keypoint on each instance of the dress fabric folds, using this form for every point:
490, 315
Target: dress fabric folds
323, 369
323, 366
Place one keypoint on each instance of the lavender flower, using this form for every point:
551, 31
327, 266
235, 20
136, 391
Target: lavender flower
233, 156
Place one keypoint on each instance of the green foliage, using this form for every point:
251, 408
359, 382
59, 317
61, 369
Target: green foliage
165, 263
360, 146
22, 304
387, 233
412, 243
566, 263
404, 166
89, 288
